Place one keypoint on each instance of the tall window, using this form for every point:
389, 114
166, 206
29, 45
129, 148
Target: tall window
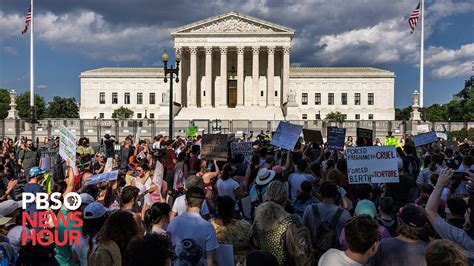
305, 116
126, 98
139, 115
371, 116
152, 115
139, 98
344, 98
318, 116
357, 99
317, 98
102, 98
370, 99
357, 116
304, 99
331, 98
101, 115
152, 98
114, 98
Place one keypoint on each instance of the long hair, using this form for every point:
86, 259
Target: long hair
120, 227
155, 214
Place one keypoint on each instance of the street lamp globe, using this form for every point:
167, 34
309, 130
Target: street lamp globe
178, 57
164, 57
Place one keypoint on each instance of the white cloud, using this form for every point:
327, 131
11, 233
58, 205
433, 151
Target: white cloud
437, 55
41, 86
455, 69
10, 25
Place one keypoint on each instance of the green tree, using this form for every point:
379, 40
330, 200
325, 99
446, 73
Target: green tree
122, 113
4, 103
403, 114
23, 102
436, 113
335, 117
61, 107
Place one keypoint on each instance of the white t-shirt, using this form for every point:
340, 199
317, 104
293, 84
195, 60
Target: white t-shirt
336, 257
227, 187
179, 206
199, 234
295, 180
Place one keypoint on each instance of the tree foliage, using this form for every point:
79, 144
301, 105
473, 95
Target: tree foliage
61, 107
335, 117
23, 106
122, 113
403, 114
4, 103
436, 113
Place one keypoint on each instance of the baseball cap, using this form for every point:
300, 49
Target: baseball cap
94, 210
193, 181
36, 171
86, 198
8, 207
413, 215
366, 207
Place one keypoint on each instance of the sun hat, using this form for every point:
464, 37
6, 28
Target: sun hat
94, 211
366, 207
264, 176
413, 215
8, 207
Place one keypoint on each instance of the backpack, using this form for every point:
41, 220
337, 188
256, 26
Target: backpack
326, 235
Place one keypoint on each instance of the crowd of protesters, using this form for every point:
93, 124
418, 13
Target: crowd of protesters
170, 206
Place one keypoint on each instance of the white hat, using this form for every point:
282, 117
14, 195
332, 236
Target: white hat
8, 207
264, 176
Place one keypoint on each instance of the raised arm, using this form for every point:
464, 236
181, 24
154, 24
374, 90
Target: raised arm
433, 201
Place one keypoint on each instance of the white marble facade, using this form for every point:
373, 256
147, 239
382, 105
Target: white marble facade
238, 67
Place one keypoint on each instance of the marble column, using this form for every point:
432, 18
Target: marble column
223, 100
193, 75
255, 75
271, 76
286, 73
240, 76
177, 95
208, 98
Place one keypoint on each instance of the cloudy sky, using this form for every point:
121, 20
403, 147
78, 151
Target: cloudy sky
77, 35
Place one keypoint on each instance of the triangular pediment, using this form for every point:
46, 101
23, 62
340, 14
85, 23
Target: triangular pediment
233, 22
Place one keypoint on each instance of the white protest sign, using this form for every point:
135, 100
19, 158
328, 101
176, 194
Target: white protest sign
286, 135
137, 135
377, 164
67, 144
104, 177
244, 148
109, 165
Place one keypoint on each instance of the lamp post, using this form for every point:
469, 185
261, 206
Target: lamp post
171, 70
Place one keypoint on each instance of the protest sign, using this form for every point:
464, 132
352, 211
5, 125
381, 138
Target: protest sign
425, 138
247, 207
364, 137
109, 165
244, 148
313, 136
214, 147
137, 135
104, 177
67, 144
191, 131
423, 128
286, 135
392, 141
376, 164
336, 137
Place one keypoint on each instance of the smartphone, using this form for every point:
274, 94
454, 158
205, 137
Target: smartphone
460, 176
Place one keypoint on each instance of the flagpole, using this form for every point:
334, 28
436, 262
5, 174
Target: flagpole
422, 50
32, 77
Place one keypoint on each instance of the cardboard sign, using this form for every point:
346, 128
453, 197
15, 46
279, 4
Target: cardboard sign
67, 144
376, 164
392, 141
286, 135
336, 138
104, 177
425, 138
109, 165
313, 136
214, 147
423, 128
244, 148
364, 137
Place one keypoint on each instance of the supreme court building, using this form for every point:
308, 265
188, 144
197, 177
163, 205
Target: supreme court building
235, 66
